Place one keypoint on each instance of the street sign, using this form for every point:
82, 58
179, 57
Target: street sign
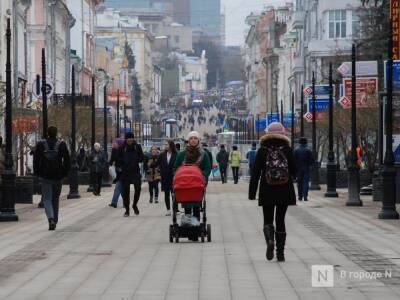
363, 68
321, 105
287, 120
320, 89
49, 88
272, 117
308, 117
307, 90
366, 92
396, 74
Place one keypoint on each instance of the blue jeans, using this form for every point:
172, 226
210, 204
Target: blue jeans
51, 190
117, 193
303, 184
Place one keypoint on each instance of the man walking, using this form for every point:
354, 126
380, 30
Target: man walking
129, 157
251, 157
223, 161
303, 160
51, 162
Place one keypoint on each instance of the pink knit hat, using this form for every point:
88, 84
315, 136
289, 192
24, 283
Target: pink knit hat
275, 128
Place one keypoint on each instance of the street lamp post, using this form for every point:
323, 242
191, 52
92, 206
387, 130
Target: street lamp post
257, 125
105, 119
93, 140
353, 171
388, 172
7, 201
331, 166
124, 117
302, 112
73, 174
314, 186
282, 111
292, 119
44, 95
118, 120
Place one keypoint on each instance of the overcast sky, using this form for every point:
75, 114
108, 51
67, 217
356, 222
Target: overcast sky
236, 12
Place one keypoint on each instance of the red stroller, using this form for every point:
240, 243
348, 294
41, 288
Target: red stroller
189, 186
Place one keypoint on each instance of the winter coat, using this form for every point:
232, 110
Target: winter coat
272, 195
167, 171
223, 158
210, 157
235, 158
204, 163
251, 156
127, 163
152, 168
97, 162
303, 158
64, 163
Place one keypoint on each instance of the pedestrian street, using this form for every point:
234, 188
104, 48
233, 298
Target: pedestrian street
96, 253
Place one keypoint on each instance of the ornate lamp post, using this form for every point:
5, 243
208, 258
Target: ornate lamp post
388, 172
331, 166
7, 203
353, 171
314, 186
118, 119
292, 119
302, 112
93, 107
73, 175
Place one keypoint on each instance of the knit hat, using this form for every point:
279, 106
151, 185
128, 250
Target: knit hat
275, 128
129, 135
193, 134
303, 140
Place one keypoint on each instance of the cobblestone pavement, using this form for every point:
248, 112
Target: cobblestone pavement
95, 253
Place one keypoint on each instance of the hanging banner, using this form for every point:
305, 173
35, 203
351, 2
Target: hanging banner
113, 96
366, 92
25, 121
394, 14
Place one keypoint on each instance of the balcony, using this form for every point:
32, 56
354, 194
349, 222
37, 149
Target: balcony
298, 20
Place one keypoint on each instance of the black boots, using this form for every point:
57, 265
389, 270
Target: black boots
280, 245
52, 224
269, 239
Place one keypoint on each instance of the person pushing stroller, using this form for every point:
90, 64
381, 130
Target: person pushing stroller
193, 154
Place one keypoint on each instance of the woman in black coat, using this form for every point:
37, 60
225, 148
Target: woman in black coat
167, 161
274, 197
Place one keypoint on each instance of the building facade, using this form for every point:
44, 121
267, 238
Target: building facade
49, 25
83, 41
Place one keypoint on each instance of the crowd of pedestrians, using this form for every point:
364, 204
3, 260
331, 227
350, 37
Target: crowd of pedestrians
273, 167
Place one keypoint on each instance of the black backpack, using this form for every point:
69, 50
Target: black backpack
277, 166
51, 162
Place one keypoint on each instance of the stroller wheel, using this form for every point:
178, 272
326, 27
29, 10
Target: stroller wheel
171, 234
209, 233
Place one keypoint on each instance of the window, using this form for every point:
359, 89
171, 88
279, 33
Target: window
155, 28
176, 38
356, 24
337, 24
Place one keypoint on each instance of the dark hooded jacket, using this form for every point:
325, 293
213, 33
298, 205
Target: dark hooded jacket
272, 195
127, 162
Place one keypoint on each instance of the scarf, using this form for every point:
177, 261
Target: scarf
192, 154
